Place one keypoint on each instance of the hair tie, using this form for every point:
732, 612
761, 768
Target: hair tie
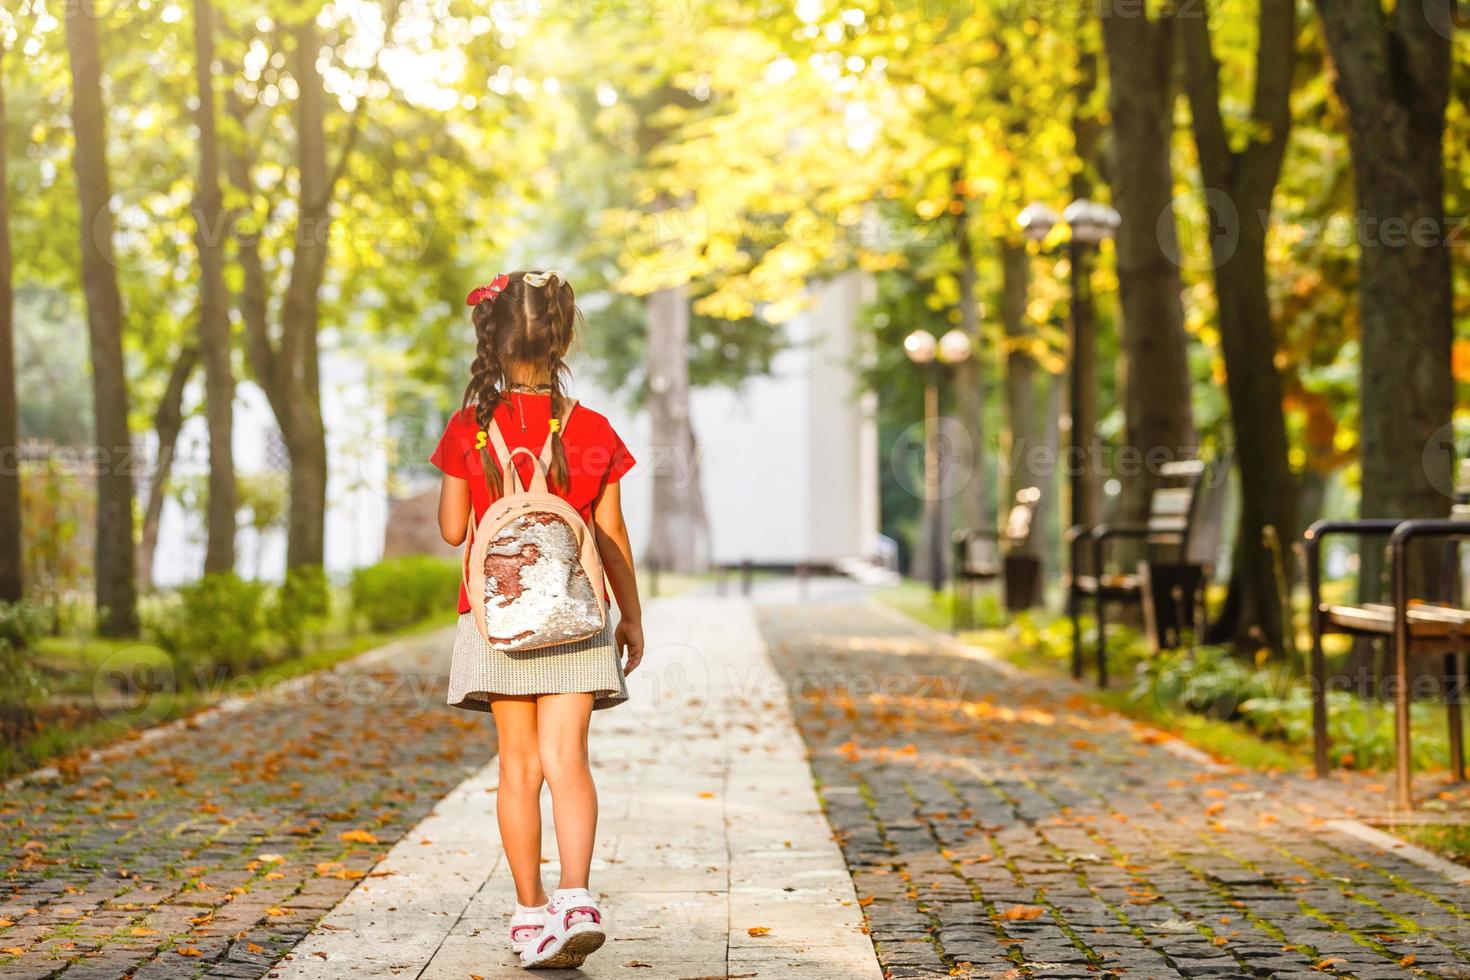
489, 291
539, 279
556, 425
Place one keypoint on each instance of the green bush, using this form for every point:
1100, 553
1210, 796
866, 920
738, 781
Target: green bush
402, 591
1275, 704
21, 624
214, 626
299, 606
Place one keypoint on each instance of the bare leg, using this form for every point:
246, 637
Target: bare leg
518, 803
561, 728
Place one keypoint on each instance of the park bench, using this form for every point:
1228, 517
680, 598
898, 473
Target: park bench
986, 554
1168, 584
1413, 626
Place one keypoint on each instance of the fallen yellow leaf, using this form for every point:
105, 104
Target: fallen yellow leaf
1022, 913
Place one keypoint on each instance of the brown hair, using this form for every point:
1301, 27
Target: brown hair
527, 324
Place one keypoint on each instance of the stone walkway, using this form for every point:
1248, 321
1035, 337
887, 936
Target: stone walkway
994, 824
1001, 825
713, 857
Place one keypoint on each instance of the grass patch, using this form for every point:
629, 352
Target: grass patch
1250, 715
936, 609
1225, 740
1448, 840
670, 584
75, 720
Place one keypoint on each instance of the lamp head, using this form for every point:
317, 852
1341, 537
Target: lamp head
1037, 220
955, 347
1091, 222
921, 347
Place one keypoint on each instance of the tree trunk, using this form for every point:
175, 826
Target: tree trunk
1087, 130
1050, 481
168, 419
288, 371
1022, 412
117, 599
305, 435
1393, 75
11, 583
211, 225
678, 538
1158, 419
976, 500
1240, 185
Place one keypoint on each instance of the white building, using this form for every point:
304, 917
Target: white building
789, 462
357, 482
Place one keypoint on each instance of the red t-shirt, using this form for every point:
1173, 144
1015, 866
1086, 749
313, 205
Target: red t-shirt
595, 454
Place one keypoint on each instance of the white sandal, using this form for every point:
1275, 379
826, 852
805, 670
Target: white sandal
526, 926
573, 931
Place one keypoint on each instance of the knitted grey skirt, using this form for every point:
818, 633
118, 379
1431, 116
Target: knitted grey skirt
479, 672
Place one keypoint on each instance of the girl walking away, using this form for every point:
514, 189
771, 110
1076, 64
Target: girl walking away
531, 487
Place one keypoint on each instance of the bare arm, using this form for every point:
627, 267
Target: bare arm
617, 562
454, 509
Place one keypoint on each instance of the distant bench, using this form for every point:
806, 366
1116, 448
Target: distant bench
1168, 584
986, 554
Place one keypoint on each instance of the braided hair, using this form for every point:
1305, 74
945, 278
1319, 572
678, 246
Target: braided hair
529, 322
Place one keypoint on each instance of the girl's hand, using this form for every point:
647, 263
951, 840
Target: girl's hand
628, 639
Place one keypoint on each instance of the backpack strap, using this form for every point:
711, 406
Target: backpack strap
504, 455
538, 471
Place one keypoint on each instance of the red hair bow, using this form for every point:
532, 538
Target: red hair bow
488, 291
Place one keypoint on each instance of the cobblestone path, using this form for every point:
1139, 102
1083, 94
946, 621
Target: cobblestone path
213, 851
1001, 825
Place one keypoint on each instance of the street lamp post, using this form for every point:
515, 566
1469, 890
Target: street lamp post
1088, 225
932, 356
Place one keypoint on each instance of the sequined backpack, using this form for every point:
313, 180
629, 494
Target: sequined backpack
531, 567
